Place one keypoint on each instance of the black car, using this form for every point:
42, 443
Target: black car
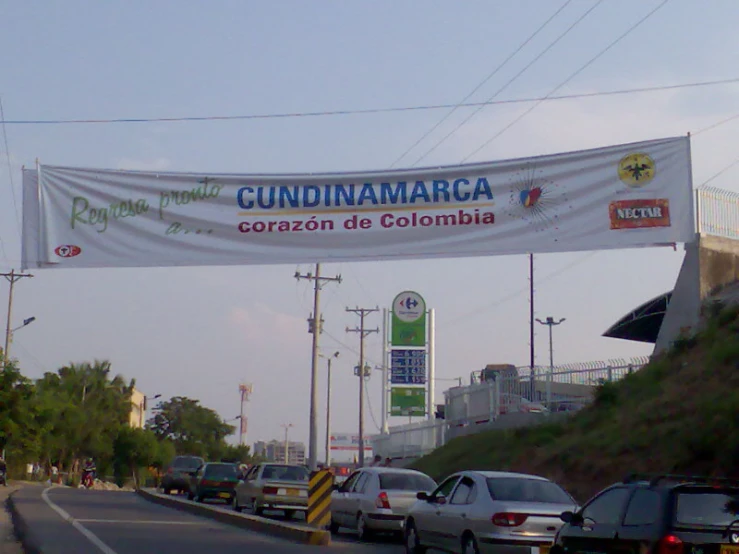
656, 514
179, 472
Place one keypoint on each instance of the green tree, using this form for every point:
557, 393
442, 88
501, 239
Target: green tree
192, 428
133, 450
236, 454
81, 410
19, 431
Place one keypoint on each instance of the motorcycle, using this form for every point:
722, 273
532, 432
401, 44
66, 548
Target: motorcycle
88, 478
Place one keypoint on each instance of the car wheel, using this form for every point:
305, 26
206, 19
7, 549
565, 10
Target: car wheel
255, 509
363, 531
167, 491
289, 514
190, 496
469, 545
412, 541
235, 504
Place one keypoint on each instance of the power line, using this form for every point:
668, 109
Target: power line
719, 173
516, 76
718, 124
10, 171
427, 107
490, 76
572, 76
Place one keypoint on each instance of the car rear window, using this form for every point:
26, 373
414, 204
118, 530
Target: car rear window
188, 462
406, 482
285, 473
224, 470
704, 507
517, 489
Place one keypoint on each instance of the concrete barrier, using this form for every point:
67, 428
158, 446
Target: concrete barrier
295, 532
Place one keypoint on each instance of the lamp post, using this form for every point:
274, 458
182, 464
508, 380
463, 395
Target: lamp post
144, 406
550, 322
287, 426
328, 407
10, 337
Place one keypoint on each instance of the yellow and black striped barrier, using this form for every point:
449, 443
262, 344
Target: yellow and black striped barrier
320, 486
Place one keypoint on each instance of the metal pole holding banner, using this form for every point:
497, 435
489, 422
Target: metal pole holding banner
385, 376
320, 487
432, 363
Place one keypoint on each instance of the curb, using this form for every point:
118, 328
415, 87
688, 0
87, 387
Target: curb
20, 527
291, 531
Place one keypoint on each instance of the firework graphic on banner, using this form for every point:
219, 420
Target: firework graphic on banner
536, 200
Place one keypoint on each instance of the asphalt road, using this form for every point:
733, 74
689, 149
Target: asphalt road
73, 521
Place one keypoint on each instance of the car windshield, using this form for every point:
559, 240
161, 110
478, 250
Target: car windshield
220, 471
285, 473
521, 489
406, 482
707, 508
187, 462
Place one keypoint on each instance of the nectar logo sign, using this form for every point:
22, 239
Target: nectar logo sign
638, 214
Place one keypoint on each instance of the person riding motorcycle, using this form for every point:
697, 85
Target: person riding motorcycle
88, 473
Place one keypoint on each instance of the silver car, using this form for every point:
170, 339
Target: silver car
377, 499
479, 512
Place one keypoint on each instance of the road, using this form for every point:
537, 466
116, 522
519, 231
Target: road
73, 521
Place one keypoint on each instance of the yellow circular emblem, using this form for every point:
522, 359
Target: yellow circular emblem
636, 170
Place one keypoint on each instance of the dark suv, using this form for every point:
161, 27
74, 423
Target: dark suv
179, 472
656, 514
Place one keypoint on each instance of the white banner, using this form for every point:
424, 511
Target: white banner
621, 196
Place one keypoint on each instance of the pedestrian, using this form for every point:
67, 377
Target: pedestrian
388, 462
377, 461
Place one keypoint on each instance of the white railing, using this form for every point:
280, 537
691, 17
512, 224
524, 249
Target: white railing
717, 212
505, 399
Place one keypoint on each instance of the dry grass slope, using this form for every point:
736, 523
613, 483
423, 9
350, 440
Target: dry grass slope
678, 414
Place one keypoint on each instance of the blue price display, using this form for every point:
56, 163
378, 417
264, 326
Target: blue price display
405, 379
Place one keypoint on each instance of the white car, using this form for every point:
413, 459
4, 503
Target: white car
376, 499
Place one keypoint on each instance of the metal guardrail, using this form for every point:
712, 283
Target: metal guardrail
512, 397
717, 212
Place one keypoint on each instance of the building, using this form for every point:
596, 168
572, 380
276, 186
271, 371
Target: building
138, 409
274, 451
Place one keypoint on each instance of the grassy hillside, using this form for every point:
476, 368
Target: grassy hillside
678, 414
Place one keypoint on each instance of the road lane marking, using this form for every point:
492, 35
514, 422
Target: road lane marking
89, 535
141, 522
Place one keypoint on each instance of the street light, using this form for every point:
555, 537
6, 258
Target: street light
9, 338
550, 322
328, 407
286, 426
143, 407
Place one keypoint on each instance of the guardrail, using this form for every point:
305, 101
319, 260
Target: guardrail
511, 397
717, 212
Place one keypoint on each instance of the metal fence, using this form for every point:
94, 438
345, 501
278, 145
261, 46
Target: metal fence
717, 212
502, 399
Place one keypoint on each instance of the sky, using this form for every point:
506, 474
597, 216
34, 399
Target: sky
199, 332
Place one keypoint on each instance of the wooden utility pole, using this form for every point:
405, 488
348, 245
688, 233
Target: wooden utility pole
363, 332
315, 327
12, 277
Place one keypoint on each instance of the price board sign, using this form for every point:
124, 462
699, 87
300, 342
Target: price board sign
407, 367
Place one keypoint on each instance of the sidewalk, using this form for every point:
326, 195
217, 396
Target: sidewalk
8, 543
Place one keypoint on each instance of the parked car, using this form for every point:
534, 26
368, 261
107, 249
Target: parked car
178, 474
511, 403
214, 480
664, 514
377, 499
478, 512
269, 486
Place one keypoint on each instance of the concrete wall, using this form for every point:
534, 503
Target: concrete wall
710, 264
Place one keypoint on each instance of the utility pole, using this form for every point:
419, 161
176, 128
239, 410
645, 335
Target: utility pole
363, 332
328, 407
550, 323
12, 277
287, 426
245, 390
532, 358
315, 327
